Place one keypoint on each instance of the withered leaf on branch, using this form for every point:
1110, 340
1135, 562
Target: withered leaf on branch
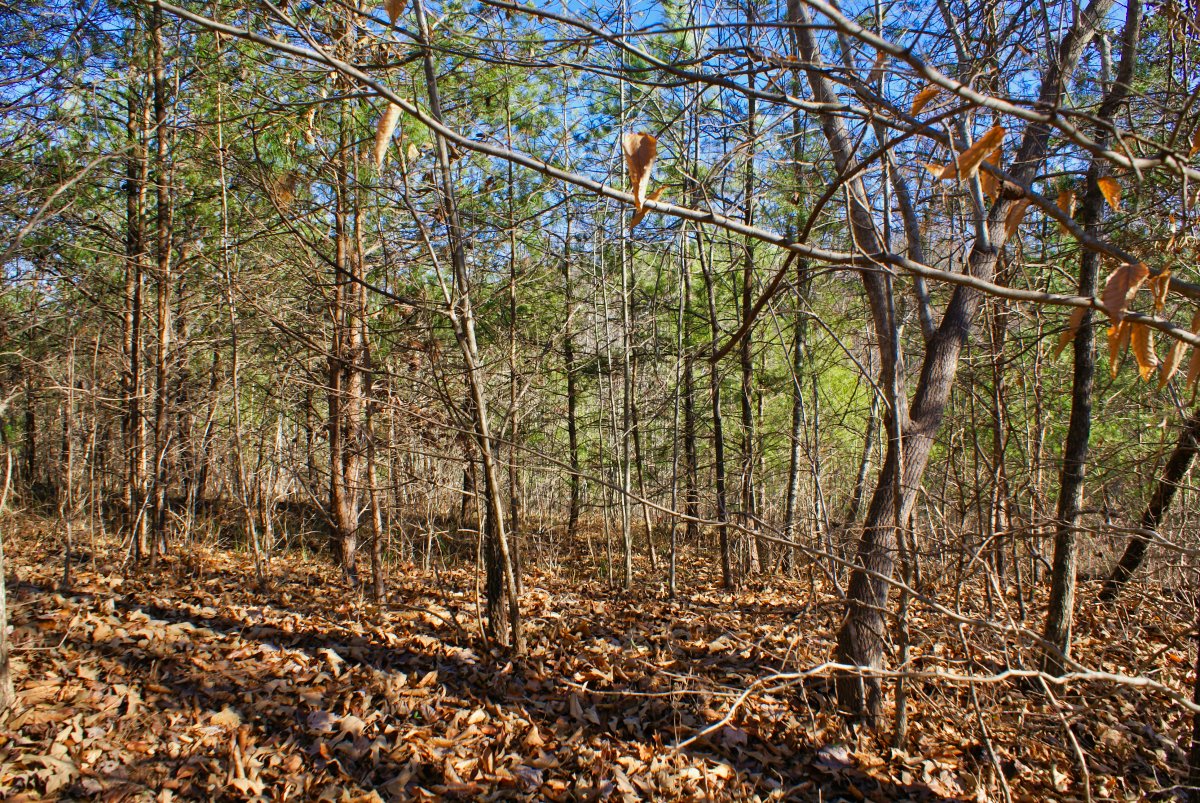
1193, 373
967, 163
989, 183
1012, 220
1066, 202
923, 97
638, 214
1111, 191
640, 150
384, 131
1118, 339
1072, 329
1160, 285
1171, 364
394, 9
1120, 287
1142, 341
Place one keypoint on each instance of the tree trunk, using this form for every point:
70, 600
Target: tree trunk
163, 222
796, 433
757, 550
345, 375
8, 696
1164, 493
572, 405
861, 639
728, 580
462, 317
136, 167
1061, 606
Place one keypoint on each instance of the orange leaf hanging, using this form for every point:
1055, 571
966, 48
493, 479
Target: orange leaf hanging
1069, 333
1120, 288
1141, 340
967, 163
1111, 191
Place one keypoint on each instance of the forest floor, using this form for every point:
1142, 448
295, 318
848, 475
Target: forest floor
189, 681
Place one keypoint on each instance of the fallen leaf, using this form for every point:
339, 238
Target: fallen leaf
226, 718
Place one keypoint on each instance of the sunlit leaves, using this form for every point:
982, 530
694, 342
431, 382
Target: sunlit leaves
967, 163
394, 9
384, 131
1120, 288
1069, 333
1111, 191
1141, 341
640, 151
923, 98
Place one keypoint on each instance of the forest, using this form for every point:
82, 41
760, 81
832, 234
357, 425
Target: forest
599, 400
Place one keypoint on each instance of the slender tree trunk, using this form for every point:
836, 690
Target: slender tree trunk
462, 317
1160, 502
795, 436
572, 397
1061, 606
1193, 776
8, 695
728, 580
514, 473
346, 379
861, 639
163, 214
864, 462
378, 591
691, 466
136, 171
757, 550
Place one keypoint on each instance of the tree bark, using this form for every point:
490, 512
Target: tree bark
1061, 606
163, 223
1160, 502
136, 174
8, 695
728, 579
861, 640
462, 318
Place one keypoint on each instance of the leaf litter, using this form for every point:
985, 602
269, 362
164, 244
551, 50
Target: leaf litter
190, 683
